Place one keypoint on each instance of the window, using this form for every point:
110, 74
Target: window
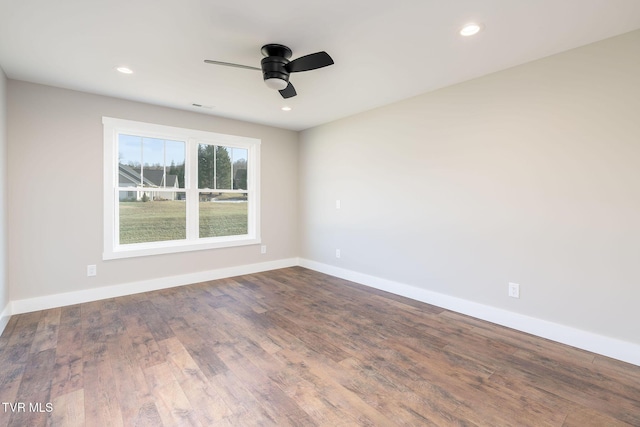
169, 189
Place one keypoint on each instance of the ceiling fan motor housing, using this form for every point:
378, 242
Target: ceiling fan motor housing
273, 68
274, 64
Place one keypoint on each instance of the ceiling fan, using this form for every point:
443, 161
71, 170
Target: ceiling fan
276, 67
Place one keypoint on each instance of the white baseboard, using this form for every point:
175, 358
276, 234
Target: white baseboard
77, 297
5, 316
600, 344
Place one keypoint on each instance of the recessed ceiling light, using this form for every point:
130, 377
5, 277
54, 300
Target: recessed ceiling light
286, 108
470, 29
125, 70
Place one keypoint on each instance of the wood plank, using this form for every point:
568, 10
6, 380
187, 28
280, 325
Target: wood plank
35, 389
586, 417
132, 392
157, 326
585, 392
199, 349
101, 402
173, 405
310, 338
144, 345
330, 379
206, 399
46, 335
15, 355
278, 406
102, 405
68, 409
67, 372
287, 377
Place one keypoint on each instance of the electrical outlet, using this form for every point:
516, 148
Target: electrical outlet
263, 249
337, 253
91, 270
337, 204
514, 290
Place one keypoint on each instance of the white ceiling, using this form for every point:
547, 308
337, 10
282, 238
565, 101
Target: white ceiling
384, 51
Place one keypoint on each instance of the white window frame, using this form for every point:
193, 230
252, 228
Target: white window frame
114, 127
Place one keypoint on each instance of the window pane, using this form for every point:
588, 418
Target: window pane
239, 158
175, 155
223, 168
152, 216
223, 214
150, 162
206, 166
129, 160
215, 166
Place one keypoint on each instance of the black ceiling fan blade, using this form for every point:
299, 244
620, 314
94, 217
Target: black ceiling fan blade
288, 91
309, 62
230, 64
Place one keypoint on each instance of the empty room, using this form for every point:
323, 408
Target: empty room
330, 213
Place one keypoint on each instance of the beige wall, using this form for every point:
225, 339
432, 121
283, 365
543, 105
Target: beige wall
55, 142
4, 286
530, 175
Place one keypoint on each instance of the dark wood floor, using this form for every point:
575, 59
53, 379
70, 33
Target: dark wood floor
295, 347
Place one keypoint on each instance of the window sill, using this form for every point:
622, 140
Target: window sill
176, 246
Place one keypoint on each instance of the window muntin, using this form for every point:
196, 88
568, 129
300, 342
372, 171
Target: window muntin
172, 190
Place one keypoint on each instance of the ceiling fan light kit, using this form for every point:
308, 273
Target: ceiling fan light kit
276, 83
276, 67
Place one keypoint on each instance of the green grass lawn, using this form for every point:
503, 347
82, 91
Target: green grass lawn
166, 220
